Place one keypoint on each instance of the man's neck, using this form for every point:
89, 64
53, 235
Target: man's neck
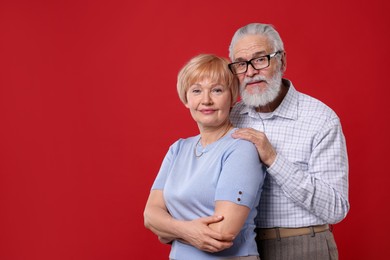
271, 106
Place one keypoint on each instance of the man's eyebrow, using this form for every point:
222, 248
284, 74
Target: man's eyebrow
254, 55
259, 53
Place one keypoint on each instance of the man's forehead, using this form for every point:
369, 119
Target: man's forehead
251, 45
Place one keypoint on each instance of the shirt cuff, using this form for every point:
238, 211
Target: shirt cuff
280, 169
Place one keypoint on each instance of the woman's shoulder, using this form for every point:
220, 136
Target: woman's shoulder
238, 143
183, 142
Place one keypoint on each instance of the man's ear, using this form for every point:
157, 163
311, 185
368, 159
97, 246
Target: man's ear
284, 62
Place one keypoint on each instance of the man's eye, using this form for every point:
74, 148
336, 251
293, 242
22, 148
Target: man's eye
240, 64
260, 60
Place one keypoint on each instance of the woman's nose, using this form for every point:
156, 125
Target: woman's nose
206, 99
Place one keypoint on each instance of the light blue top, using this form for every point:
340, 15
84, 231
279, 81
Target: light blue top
229, 169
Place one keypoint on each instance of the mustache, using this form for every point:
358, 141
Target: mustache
254, 79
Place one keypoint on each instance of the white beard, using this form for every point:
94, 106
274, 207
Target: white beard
262, 98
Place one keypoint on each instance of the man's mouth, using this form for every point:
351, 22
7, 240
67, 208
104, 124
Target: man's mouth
255, 86
255, 82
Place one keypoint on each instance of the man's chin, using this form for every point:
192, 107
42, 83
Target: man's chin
253, 100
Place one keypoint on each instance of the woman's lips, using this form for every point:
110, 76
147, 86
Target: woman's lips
207, 111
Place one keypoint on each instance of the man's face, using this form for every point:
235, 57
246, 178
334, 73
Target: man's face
258, 87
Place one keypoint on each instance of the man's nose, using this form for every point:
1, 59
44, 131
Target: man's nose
251, 70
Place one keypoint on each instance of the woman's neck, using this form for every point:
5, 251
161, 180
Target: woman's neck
210, 135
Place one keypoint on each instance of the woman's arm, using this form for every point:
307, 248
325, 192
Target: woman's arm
195, 232
157, 218
238, 189
234, 217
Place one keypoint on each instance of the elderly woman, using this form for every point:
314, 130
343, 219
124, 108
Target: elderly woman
210, 174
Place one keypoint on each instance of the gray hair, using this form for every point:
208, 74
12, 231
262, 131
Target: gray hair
266, 30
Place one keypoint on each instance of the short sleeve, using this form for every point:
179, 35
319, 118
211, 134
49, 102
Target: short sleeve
242, 175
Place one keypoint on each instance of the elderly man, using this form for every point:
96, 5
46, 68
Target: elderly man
301, 142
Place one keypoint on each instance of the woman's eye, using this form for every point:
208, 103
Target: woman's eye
217, 90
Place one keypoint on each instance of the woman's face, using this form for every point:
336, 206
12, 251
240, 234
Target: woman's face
209, 103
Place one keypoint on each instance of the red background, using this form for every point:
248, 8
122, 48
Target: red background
88, 108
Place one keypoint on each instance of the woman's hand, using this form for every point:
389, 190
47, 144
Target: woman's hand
198, 233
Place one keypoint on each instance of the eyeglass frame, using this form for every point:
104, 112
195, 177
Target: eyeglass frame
269, 57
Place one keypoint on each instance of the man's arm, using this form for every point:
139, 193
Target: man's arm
323, 188
196, 232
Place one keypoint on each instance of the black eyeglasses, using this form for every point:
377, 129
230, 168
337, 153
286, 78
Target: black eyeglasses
257, 63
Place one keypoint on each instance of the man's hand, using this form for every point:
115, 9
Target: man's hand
265, 149
198, 233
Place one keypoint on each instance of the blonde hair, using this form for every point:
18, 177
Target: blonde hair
207, 66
